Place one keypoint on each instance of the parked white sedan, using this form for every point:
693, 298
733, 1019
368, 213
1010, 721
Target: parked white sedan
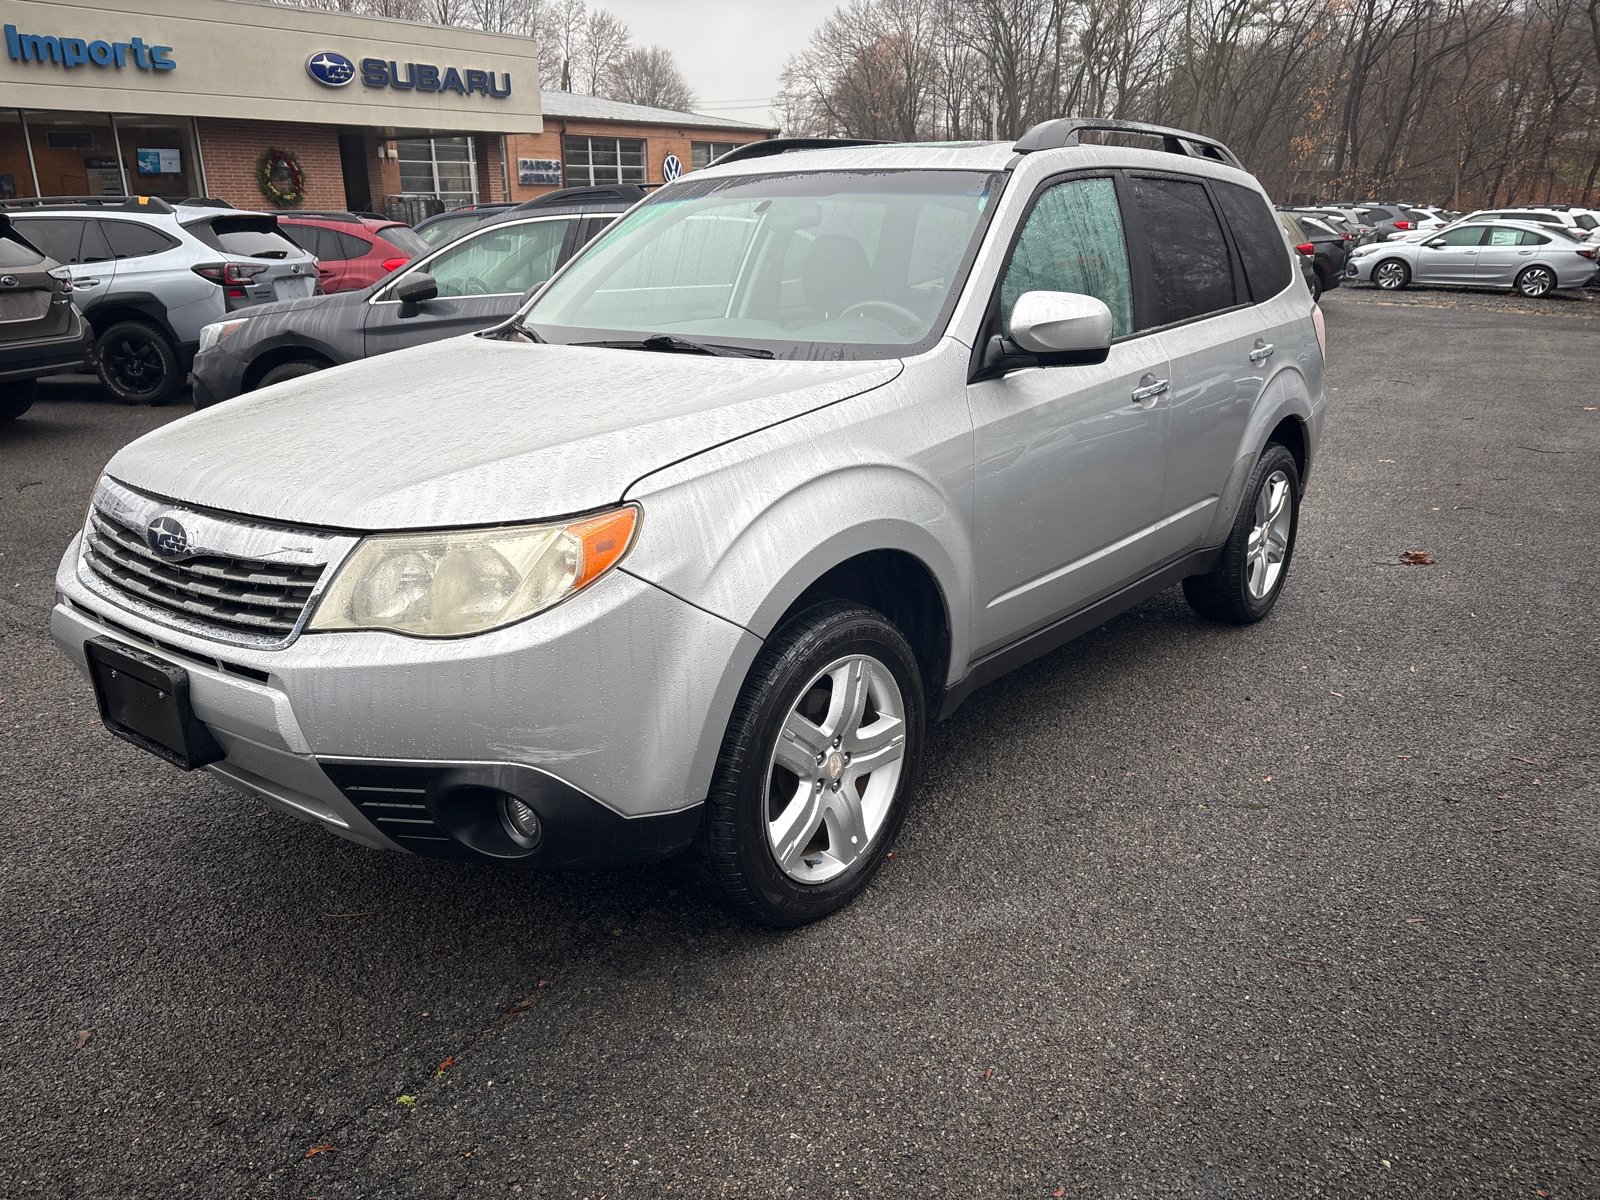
1535, 259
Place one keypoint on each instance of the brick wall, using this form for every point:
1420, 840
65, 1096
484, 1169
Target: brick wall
659, 141
230, 150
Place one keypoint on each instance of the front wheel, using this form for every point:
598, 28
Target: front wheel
1536, 281
820, 759
1248, 577
1391, 275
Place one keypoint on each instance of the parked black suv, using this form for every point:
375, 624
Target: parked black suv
471, 282
41, 332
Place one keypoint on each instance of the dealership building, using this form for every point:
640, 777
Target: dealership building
262, 105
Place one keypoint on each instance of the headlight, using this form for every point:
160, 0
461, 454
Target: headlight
210, 335
441, 585
1363, 251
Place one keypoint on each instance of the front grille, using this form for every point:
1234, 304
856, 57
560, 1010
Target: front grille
236, 593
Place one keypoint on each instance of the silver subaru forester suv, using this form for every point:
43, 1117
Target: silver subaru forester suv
689, 553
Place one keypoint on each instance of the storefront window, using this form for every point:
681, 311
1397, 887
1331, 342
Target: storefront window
703, 154
159, 157
593, 160
444, 168
75, 154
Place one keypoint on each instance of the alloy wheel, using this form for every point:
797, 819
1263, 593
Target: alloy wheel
135, 362
1389, 275
1535, 282
834, 771
1269, 536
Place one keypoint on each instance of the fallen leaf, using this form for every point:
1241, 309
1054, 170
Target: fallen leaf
1059, 1192
445, 1066
83, 1038
1338, 694
1268, 779
322, 1149
1417, 558
989, 1074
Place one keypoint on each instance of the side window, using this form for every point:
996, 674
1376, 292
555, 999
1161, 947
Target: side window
59, 238
309, 237
1073, 242
1467, 235
1258, 236
1191, 272
1502, 236
129, 239
350, 246
1529, 238
501, 260
1585, 221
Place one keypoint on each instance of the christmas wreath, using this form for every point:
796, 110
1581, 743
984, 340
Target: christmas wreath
280, 177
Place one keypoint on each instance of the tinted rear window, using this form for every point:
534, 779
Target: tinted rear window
1259, 238
1189, 265
56, 236
252, 237
403, 237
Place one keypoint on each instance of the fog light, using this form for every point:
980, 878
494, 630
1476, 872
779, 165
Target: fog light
521, 820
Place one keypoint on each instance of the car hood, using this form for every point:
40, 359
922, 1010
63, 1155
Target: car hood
472, 431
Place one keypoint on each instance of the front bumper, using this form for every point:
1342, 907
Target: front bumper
603, 714
218, 376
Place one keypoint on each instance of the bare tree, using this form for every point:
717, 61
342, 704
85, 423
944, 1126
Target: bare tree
650, 75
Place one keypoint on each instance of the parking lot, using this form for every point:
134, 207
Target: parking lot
1308, 908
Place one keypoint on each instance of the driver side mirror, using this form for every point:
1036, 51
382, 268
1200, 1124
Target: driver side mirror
1049, 329
413, 290
1436, 244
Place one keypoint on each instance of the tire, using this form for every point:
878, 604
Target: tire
17, 398
138, 364
290, 370
781, 863
1316, 285
1391, 275
1244, 585
1536, 282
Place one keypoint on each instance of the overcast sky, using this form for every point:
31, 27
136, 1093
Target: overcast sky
731, 51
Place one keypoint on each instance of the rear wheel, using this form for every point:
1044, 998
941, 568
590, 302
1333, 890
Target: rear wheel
1536, 281
138, 364
290, 370
1316, 285
818, 764
1391, 274
17, 398
1247, 579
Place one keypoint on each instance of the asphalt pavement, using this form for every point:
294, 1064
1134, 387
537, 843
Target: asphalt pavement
1304, 909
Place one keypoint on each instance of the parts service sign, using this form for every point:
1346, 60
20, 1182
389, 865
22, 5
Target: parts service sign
334, 70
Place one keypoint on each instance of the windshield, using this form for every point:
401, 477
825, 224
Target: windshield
826, 264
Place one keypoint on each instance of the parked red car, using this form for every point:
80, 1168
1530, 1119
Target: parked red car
353, 251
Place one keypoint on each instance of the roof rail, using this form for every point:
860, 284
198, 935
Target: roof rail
1052, 135
339, 216
617, 193
203, 202
144, 204
773, 146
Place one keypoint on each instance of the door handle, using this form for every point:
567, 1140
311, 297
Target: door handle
1261, 351
77, 283
1148, 390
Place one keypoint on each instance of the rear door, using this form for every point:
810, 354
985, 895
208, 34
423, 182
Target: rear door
1068, 461
481, 278
1505, 251
77, 243
1200, 301
1452, 257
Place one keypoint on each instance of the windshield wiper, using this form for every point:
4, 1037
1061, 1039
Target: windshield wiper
665, 343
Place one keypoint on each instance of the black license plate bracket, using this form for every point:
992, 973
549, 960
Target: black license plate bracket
144, 700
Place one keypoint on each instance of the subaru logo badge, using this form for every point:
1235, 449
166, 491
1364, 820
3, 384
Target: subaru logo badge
334, 70
167, 538
9, 280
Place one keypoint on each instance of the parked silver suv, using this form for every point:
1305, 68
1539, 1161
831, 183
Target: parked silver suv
804, 449
147, 276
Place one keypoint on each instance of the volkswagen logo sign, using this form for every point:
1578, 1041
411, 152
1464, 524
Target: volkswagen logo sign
334, 70
671, 168
167, 538
9, 280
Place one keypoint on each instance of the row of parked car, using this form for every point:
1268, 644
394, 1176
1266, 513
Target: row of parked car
1554, 246
140, 290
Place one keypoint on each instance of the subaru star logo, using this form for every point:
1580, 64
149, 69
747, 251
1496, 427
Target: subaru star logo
335, 70
167, 538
